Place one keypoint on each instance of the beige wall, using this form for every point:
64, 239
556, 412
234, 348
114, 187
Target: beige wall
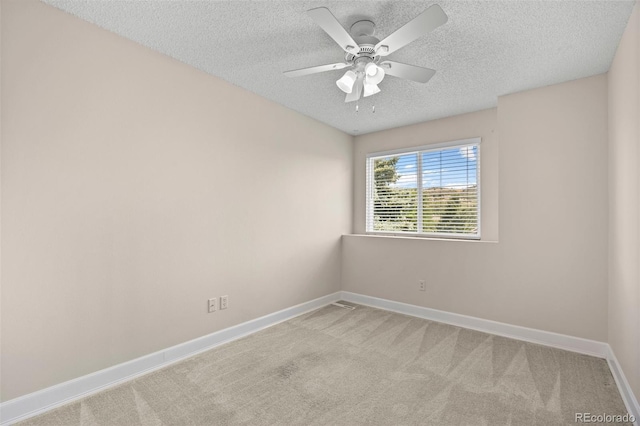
134, 188
624, 196
548, 269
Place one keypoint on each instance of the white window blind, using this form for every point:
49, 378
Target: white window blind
428, 191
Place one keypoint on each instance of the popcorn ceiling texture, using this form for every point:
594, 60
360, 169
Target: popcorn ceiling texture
485, 50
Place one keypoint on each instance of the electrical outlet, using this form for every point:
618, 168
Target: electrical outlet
212, 305
224, 302
422, 286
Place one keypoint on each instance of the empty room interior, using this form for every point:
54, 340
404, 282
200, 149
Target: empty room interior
319, 212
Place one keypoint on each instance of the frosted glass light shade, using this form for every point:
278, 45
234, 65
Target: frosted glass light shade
345, 83
370, 89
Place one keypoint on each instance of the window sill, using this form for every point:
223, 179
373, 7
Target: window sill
419, 238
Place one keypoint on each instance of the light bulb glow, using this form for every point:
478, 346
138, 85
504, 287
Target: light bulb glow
376, 77
345, 83
371, 69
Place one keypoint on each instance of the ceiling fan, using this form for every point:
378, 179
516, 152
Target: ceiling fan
364, 51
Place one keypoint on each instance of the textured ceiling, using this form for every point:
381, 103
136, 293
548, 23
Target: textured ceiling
486, 49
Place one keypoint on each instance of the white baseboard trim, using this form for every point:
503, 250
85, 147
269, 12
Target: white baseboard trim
547, 338
633, 407
47, 399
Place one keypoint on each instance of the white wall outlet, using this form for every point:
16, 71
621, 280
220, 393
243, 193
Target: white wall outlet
212, 304
422, 286
224, 302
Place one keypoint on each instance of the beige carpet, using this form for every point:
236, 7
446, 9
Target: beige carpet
339, 366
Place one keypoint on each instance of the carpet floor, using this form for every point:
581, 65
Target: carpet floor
345, 367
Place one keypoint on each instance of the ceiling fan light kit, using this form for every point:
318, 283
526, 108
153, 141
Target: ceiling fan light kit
364, 51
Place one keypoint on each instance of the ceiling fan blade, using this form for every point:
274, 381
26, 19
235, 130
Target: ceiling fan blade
331, 26
427, 21
314, 70
410, 72
357, 89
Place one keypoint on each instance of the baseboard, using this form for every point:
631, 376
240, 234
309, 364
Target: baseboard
47, 399
547, 338
633, 407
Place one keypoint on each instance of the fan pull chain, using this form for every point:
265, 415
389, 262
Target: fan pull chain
373, 108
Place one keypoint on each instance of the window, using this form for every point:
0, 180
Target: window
427, 191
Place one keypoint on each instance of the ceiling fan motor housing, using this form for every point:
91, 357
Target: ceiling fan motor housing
362, 32
367, 49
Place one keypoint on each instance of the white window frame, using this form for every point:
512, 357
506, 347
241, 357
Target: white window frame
419, 150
